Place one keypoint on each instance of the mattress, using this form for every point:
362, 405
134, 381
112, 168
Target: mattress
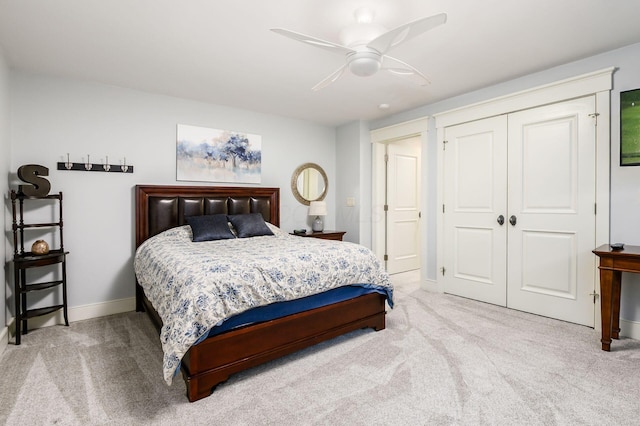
196, 288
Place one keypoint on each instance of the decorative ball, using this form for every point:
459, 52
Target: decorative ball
40, 247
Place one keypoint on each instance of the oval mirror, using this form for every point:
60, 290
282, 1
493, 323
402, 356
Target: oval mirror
309, 183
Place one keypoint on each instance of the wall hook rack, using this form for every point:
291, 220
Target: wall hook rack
96, 167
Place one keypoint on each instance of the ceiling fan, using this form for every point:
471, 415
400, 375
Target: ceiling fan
365, 45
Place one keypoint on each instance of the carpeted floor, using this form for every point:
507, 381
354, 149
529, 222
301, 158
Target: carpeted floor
442, 360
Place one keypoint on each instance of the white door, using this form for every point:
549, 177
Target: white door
536, 169
403, 205
475, 197
552, 160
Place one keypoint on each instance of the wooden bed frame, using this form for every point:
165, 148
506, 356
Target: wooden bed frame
211, 362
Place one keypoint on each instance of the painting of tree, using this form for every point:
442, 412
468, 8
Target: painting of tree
212, 155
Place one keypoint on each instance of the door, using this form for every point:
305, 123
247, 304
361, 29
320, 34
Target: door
475, 198
519, 210
552, 160
403, 205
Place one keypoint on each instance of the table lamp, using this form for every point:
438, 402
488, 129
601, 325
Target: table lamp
317, 209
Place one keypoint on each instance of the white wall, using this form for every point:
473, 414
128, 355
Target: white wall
625, 181
366, 186
52, 117
348, 174
5, 216
353, 172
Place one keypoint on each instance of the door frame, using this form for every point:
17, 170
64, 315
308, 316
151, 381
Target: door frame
598, 83
379, 138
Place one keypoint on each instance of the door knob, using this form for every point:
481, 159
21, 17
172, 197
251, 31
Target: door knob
512, 220
500, 220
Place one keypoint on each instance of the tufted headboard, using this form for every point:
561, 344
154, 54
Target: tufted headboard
160, 207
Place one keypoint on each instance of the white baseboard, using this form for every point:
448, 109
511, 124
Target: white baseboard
76, 313
431, 285
4, 338
630, 329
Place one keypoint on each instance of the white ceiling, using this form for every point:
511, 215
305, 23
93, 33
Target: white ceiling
222, 52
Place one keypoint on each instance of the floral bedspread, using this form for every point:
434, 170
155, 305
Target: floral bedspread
195, 286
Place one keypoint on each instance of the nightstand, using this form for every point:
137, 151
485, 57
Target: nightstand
325, 235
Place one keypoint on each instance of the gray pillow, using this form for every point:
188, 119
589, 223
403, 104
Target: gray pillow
249, 225
209, 227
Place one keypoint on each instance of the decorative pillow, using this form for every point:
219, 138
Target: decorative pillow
249, 225
209, 227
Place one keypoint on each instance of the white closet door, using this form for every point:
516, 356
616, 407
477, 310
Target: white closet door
475, 196
403, 200
552, 198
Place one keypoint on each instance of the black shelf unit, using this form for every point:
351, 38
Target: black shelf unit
23, 260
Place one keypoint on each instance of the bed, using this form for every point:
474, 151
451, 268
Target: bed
161, 212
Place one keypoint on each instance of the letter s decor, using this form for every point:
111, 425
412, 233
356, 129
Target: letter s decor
31, 173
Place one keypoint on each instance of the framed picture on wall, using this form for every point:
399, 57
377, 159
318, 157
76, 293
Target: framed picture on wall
630, 128
213, 155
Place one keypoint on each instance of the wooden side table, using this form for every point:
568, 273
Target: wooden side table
325, 235
612, 264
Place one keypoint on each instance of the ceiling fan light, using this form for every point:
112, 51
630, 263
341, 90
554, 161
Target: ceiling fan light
364, 67
364, 63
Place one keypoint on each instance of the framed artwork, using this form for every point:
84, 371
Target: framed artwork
213, 155
630, 128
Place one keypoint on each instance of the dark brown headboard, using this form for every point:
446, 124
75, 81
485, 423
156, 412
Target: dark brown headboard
160, 207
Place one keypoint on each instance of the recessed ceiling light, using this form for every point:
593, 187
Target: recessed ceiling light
384, 106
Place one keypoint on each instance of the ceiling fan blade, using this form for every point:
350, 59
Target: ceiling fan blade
314, 41
390, 39
405, 70
330, 79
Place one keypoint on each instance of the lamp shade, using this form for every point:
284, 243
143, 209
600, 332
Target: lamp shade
317, 208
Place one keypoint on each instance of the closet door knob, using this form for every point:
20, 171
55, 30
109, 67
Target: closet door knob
500, 220
513, 220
